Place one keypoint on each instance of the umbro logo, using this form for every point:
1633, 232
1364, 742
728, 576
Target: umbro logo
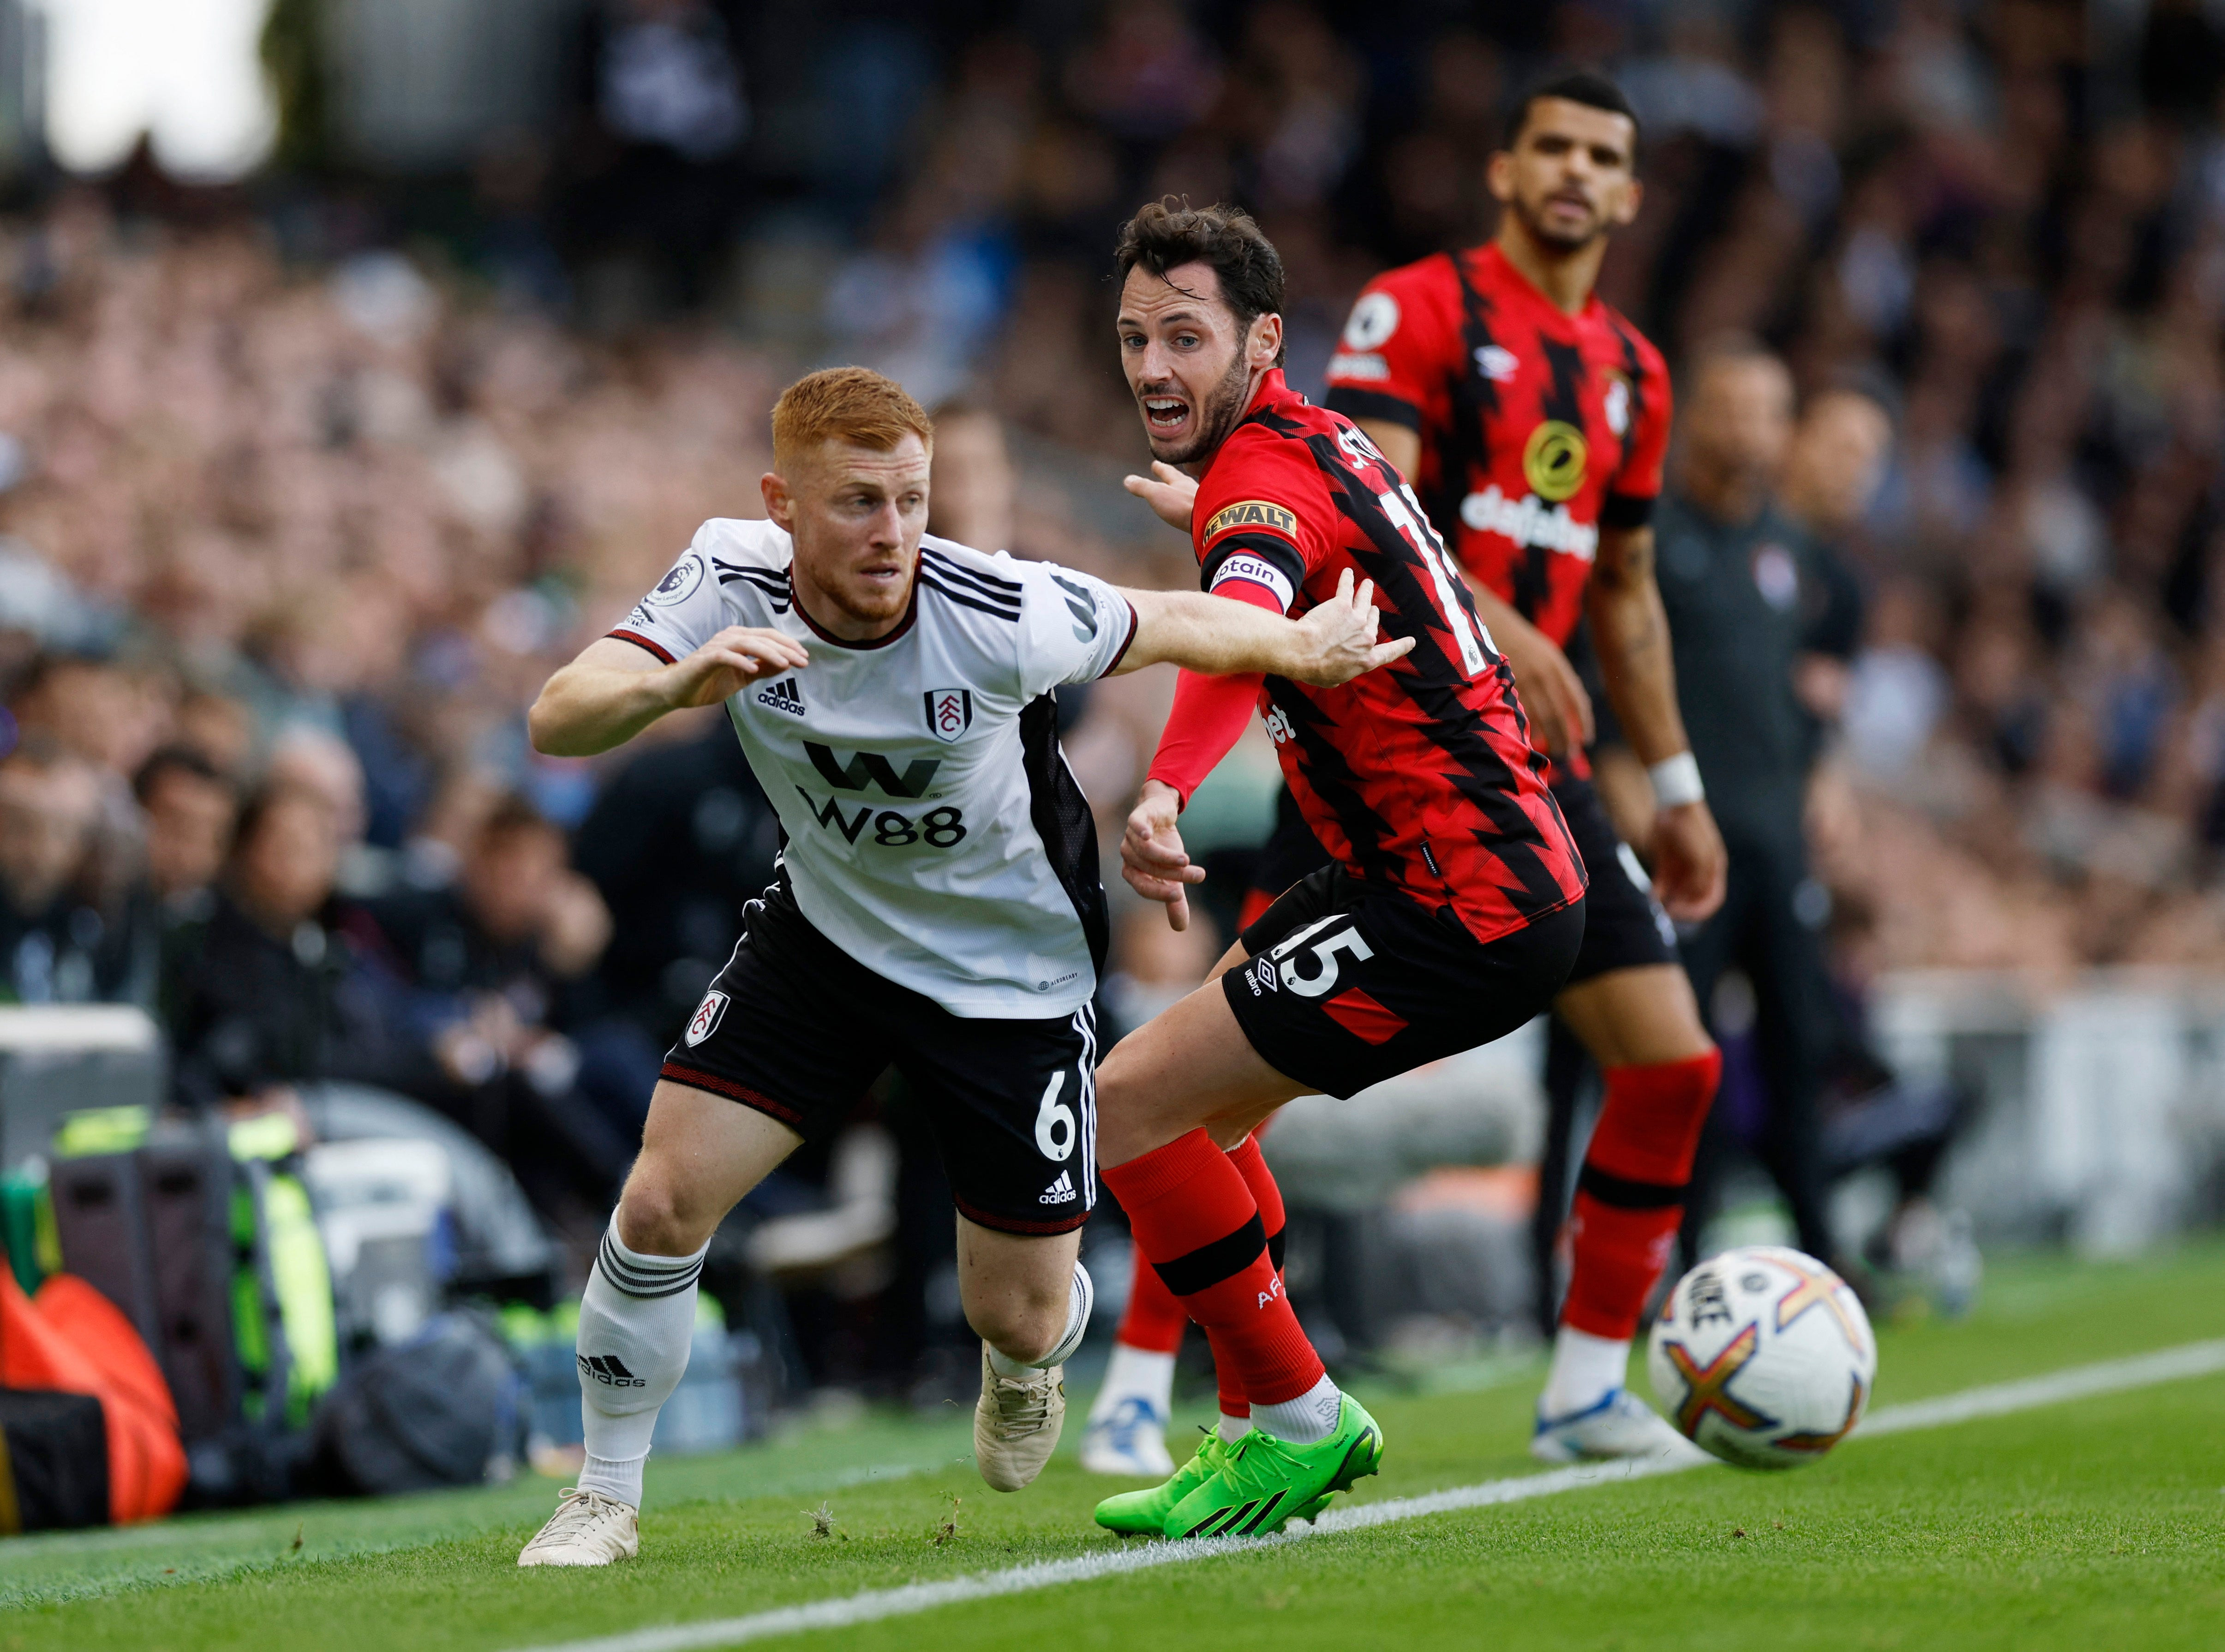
1496, 363
1059, 1192
609, 1371
1262, 979
783, 696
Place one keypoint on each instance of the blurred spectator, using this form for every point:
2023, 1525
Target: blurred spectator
191, 808
56, 947
680, 841
487, 970
653, 177
265, 992
1833, 470
970, 495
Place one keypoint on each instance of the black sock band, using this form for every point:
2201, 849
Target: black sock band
1207, 1265
1628, 1195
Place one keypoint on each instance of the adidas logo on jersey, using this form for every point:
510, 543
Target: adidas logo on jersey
1059, 1192
609, 1371
783, 696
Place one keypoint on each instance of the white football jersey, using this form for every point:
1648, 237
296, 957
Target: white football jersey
934, 831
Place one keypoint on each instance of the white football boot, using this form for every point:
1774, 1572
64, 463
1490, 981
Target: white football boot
1619, 1426
1129, 1439
587, 1529
1015, 1423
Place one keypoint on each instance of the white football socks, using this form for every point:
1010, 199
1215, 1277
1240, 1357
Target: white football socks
1141, 1374
1301, 1421
1080, 1299
1231, 1429
1586, 1370
637, 1319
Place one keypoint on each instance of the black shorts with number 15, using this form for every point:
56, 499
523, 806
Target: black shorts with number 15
1347, 986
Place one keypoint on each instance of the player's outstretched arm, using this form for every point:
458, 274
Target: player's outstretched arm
615, 689
1630, 630
1336, 642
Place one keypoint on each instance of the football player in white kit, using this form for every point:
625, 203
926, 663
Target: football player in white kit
938, 907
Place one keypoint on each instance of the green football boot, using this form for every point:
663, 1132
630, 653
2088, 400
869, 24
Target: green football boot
1263, 1483
1143, 1514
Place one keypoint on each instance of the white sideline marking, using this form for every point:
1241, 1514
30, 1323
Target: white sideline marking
2077, 1382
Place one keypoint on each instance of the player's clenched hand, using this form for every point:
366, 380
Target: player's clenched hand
1168, 492
1152, 855
1688, 861
736, 656
1339, 636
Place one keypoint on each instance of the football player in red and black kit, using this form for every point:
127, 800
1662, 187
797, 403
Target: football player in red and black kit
1533, 419
1452, 910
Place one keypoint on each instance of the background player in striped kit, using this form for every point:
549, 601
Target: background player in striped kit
1533, 419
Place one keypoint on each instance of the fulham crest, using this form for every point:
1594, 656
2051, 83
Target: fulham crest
704, 1021
949, 712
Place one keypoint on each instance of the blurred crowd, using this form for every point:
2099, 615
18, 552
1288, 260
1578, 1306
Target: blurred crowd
287, 543
2007, 219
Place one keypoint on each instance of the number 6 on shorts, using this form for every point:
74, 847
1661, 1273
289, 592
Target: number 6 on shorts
1052, 1118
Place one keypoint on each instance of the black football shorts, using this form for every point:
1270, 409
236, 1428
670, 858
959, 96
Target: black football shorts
796, 1029
1624, 927
1347, 986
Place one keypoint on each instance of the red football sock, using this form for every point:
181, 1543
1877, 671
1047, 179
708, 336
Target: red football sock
1195, 1219
1152, 1319
1252, 1165
1630, 1195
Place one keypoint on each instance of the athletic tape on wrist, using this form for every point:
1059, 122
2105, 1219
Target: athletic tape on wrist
1675, 781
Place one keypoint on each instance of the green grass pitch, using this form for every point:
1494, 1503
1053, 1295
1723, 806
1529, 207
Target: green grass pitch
2095, 1523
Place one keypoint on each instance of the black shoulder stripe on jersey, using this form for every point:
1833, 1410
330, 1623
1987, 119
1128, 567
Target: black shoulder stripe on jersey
988, 584
968, 599
1271, 548
941, 576
773, 586
1355, 403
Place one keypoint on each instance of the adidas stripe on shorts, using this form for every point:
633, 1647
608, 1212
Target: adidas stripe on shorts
796, 1029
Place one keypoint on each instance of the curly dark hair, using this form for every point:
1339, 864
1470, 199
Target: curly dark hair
1169, 232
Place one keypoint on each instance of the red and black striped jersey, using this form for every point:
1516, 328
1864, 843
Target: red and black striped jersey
1538, 428
1418, 777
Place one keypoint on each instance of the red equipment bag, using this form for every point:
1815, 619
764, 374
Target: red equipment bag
74, 1340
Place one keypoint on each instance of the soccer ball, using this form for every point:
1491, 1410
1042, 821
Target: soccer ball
1763, 1357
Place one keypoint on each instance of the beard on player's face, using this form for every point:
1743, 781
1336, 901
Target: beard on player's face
1550, 216
1215, 409
858, 515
